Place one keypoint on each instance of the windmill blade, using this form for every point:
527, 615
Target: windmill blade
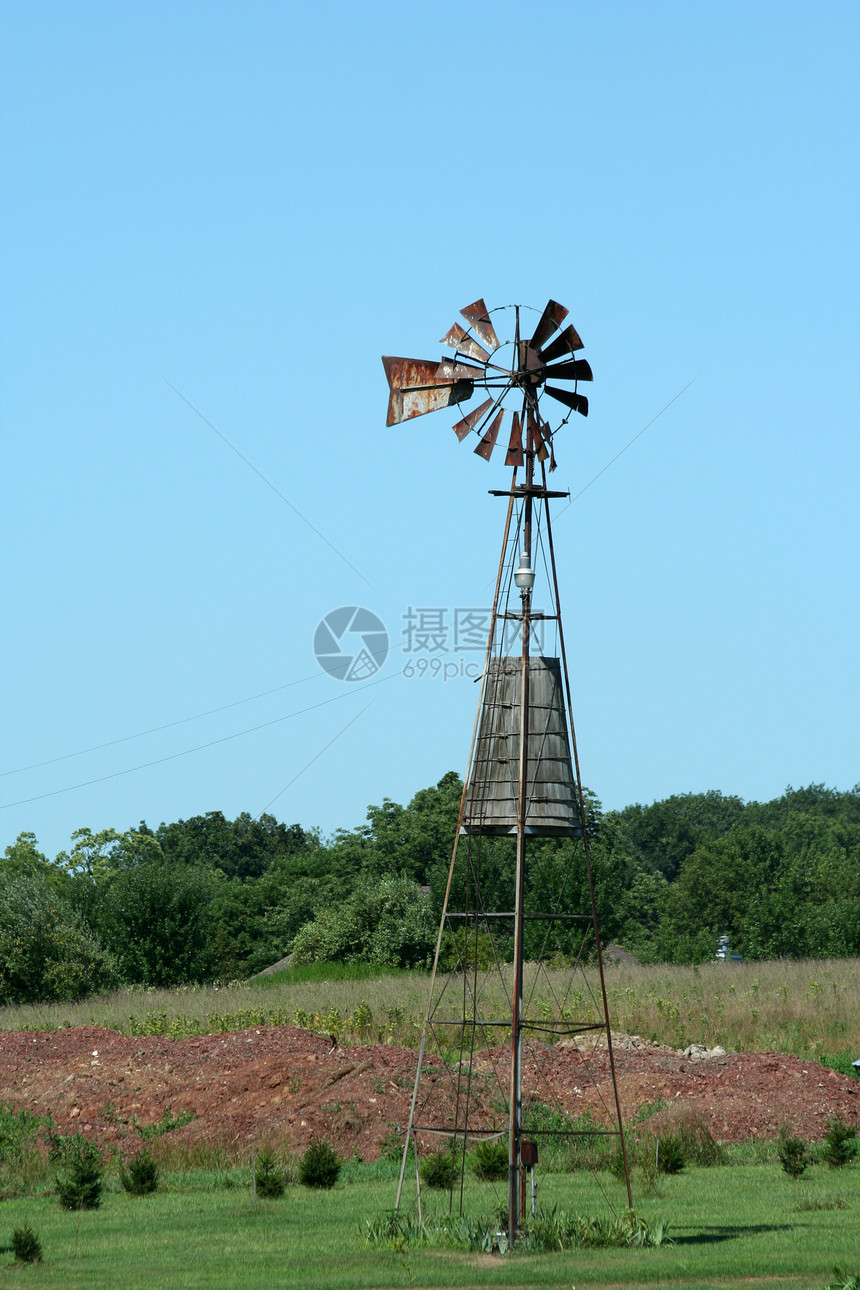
515, 447
478, 318
416, 388
471, 419
536, 439
551, 319
488, 443
460, 340
567, 343
578, 402
576, 369
448, 370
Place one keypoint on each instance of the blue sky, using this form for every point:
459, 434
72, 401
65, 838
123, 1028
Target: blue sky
251, 203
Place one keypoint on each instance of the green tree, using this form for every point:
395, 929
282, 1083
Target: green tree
157, 920
23, 859
46, 949
242, 848
662, 836
719, 890
386, 920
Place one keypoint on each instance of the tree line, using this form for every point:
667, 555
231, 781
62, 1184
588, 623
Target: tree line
213, 899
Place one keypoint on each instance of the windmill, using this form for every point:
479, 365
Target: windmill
522, 794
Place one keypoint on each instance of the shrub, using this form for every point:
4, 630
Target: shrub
26, 1245
79, 1182
269, 1180
840, 1146
320, 1165
793, 1154
700, 1145
437, 1170
21, 1163
670, 1154
141, 1178
489, 1160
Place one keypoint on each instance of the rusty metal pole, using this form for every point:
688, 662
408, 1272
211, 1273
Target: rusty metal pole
516, 1092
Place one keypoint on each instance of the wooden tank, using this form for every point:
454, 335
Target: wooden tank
493, 793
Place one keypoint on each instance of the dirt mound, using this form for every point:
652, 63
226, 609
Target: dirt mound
290, 1085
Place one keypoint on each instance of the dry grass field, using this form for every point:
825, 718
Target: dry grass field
807, 1008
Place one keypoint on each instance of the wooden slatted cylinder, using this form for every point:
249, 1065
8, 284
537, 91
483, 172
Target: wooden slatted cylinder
492, 797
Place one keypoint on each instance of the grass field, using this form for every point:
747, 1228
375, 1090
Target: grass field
732, 1226
807, 1008
737, 1224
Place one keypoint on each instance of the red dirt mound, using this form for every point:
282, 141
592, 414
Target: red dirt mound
290, 1085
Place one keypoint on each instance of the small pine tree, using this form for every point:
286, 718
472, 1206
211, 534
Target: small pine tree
269, 1179
437, 1170
26, 1245
840, 1145
670, 1155
320, 1165
141, 1179
489, 1160
79, 1182
793, 1154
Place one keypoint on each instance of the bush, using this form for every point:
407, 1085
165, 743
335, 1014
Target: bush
670, 1154
79, 1182
793, 1154
437, 1170
839, 1147
268, 1178
141, 1179
700, 1145
489, 1160
320, 1165
26, 1245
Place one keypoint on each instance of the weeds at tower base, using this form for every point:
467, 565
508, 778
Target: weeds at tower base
554, 1231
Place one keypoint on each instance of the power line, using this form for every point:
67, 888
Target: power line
158, 761
198, 716
269, 484
624, 449
308, 765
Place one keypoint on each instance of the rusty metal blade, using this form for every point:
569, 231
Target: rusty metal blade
567, 343
460, 340
416, 388
478, 318
551, 319
467, 425
448, 370
578, 402
488, 443
576, 369
536, 439
515, 447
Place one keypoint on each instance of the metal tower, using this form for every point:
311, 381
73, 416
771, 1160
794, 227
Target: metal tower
520, 885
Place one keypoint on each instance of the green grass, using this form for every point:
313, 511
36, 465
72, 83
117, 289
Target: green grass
306, 972
732, 1226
